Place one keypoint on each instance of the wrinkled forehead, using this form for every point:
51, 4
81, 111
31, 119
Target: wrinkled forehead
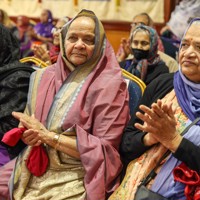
82, 22
44, 12
140, 32
194, 29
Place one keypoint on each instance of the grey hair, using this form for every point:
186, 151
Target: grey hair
138, 30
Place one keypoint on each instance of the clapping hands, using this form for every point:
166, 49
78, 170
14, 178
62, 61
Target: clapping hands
160, 124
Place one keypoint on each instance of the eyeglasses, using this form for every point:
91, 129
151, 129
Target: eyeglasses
56, 30
134, 24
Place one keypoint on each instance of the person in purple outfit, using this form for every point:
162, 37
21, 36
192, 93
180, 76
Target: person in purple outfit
42, 30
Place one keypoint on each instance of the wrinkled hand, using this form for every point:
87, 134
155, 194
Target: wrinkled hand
31, 138
149, 139
125, 44
163, 29
31, 33
36, 131
41, 53
159, 120
125, 49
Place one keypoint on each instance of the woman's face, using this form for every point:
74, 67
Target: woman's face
141, 41
79, 41
189, 56
56, 31
139, 20
19, 21
44, 16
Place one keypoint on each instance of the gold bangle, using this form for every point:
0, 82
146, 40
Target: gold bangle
56, 140
56, 137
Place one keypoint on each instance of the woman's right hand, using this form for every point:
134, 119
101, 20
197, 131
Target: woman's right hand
159, 120
163, 29
149, 139
41, 53
31, 137
125, 50
125, 44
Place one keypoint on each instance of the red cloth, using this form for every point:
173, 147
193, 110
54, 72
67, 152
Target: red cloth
37, 161
13, 136
53, 53
190, 178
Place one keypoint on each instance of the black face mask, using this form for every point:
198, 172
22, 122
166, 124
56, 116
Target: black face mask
140, 54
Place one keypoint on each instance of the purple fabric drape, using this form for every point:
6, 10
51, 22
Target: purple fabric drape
188, 95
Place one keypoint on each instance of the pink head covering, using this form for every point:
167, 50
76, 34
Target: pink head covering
96, 106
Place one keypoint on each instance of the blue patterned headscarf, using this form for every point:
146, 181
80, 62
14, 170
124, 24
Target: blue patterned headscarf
153, 40
140, 67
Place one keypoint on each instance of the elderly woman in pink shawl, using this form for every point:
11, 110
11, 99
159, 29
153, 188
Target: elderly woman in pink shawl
77, 110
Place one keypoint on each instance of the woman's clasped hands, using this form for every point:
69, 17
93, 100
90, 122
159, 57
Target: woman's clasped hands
36, 131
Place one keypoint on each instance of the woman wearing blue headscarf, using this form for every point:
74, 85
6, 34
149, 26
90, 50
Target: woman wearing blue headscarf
169, 105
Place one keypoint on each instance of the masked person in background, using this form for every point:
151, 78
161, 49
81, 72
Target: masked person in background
146, 63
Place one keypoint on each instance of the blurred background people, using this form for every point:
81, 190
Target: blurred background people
140, 19
50, 54
42, 30
6, 21
24, 27
14, 83
145, 62
166, 50
179, 20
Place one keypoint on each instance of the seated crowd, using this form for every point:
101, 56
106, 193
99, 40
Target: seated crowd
66, 130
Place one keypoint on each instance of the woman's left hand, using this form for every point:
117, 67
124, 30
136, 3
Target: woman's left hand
161, 123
